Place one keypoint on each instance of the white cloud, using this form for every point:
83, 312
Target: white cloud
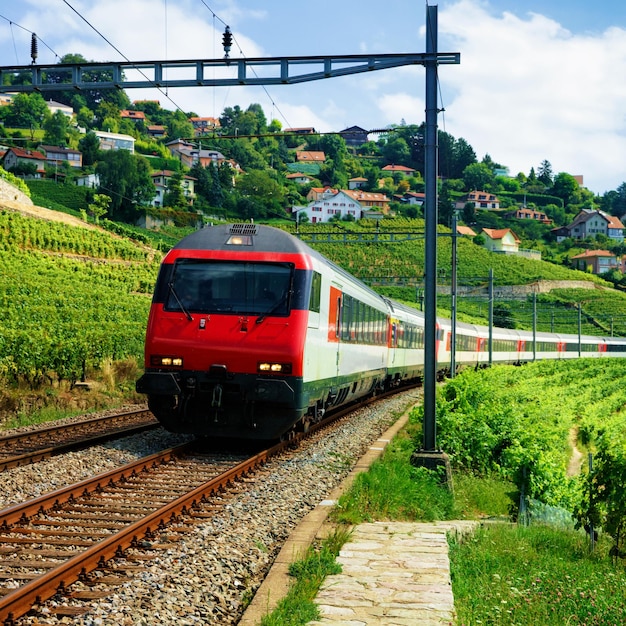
528, 90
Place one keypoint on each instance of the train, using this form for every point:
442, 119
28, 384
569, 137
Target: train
252, 334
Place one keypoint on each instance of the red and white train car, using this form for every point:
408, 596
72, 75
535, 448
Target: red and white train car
253, 334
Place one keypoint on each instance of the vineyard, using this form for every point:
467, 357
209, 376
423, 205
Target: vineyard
521, 423
70, 299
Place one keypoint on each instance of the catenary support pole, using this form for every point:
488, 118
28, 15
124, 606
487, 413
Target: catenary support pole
430, 260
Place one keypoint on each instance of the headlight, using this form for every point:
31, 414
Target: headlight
157, 360
267, 367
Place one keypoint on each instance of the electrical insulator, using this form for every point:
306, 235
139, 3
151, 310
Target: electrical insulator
33, 48
227, 41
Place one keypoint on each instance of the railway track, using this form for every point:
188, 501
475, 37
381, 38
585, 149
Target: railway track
50, 542
100, 531
42, 443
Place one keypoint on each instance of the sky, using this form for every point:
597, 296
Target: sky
538, 79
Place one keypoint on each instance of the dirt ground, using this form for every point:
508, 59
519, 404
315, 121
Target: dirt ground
45, 214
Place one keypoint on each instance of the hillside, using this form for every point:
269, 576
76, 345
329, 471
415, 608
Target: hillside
74, 303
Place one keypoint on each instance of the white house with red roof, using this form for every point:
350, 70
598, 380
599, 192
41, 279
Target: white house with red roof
330, 204
301, 179
501, 240
13, 157
327, 203
398, 169
161, 180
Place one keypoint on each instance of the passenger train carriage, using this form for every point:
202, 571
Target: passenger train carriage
253, 334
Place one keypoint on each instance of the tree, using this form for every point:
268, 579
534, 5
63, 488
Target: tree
567, 188
126, 179
463, 155
179, 126
175, 196
396, 151
27, 111
57, 128
99, 206
544, 173
91, 98
477, 176
89, 145
262, 191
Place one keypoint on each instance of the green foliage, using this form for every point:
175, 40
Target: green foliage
298, 608
15, 181
46, 192
515, 422
603, 505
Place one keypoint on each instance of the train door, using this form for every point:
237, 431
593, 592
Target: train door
335, 310
393, 341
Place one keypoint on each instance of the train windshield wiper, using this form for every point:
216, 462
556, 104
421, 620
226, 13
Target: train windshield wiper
180, 304
271, 310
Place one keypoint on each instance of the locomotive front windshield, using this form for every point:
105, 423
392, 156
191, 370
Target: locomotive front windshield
244, 288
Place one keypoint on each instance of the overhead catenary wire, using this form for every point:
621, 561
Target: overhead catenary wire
30, 32
234, 40
82, 17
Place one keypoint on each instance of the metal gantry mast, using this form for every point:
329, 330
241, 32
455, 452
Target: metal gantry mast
207, 72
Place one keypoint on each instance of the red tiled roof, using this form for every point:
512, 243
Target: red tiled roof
499, 233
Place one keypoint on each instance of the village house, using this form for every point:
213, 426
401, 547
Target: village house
465, 231
398, 169
413, 197
56, 155
161, 180
501, 240
14, 157
204, 125
368, 199
330, 204
597, 261
315, 193
589, 223
529, 214
357, 182
133, 116
53, 107
480, 200
355, 136
326, 203
310, 156
115, 141
157, 131
301, 179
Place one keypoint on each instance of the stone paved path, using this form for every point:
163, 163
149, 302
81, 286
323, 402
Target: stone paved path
394, 574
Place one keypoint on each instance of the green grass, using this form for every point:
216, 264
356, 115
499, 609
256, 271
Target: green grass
298, 607
503, 574
512, 575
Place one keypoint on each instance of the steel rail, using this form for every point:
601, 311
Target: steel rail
39, 454
18, 602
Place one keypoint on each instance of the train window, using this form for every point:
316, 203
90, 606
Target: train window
230, 287
315, 296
